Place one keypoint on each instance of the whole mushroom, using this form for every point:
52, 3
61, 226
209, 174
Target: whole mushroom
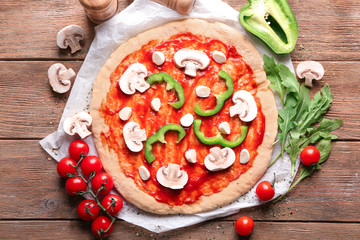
192, 60
134, 79
171, 176
70, 36
59, 77
219, 159
78, 123
134, 136
310, 70
245, 106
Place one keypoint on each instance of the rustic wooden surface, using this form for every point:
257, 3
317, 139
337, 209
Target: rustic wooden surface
33, 202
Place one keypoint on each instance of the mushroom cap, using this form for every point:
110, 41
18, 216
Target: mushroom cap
219, 159
172, 177
134, 136
244, 156
144, 173
315, 68
190, 156
187, 120
245, 98
125, 113
77, 118
60, 85
134, 79
219, 57
202, 91
68, 36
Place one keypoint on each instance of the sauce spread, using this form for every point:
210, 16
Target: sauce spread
201, 181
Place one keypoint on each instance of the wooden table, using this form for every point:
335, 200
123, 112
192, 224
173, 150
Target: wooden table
33, 200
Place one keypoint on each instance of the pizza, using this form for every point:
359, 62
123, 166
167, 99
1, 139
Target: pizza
183, 118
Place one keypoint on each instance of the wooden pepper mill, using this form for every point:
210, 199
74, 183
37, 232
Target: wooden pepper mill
100, 11
181, 6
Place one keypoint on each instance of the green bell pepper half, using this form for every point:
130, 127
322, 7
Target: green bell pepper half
170, 84
220, 99
273, 22
219, 139
159, 136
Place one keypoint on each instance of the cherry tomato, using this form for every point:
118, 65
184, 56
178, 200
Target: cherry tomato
309, 155
112, 203
101, 223
88, 210
64, 167
265, 191
101, 178
244, 226
78, 148
91, 164
74, 185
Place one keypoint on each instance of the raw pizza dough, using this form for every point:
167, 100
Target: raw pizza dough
126, 185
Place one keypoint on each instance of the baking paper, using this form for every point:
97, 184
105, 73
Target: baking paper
136, 18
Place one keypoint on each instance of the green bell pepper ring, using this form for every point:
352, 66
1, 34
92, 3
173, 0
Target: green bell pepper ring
170, 84
273, 22
220, 99
159, 136
219, 139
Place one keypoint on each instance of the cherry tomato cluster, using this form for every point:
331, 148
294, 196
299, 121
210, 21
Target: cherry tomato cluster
101, 183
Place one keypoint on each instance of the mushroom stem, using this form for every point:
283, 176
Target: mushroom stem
190, 69
64, 76
81, 129
308, 78
74, 44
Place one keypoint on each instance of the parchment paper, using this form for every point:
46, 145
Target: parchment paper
138, 17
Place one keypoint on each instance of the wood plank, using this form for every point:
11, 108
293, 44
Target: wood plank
34, 190
209, 230
332, 38
24, 113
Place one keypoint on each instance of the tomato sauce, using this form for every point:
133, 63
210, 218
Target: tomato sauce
201, 181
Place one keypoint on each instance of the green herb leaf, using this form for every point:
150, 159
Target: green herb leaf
324, 147
285, 119
304, 100
289, 80
272, 74
317, 108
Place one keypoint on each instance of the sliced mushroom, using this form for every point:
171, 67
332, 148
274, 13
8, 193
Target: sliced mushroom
245, 106
134, 136
78, 123
70, 36
144, 173
244, 156
172, 177
134, 79
219, 57
310, 70
190, 156
202, 91
224, 128
219, 159
187, 120
155, 104
59, 77
192, 60
125, 113
158, 58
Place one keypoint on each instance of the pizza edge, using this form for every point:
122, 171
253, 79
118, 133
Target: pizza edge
245, 182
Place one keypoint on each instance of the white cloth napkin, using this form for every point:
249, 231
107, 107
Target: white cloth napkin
136, 18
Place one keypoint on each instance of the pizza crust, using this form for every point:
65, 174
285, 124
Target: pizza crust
235, 189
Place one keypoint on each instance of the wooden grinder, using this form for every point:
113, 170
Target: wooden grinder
181, 6
100, 11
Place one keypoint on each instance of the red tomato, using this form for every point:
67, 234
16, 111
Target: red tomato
102, 178
78, 148
102, 223
88, 210
309, 155
91, 164
244, 226
265, 191
64, 167
74, 185
112, 203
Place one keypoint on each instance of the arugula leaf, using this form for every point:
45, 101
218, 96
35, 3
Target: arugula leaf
317, 108
289, 80
324, 148
304, 100
285, 119
272, 74
314, 135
